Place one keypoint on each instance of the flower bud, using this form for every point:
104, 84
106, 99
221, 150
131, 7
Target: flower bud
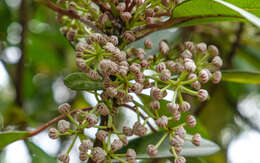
137, 88
64, 158
196, 139
64, 108
160, 67
171, 66
109, 47
53, 133
80, 47
196, 85
134, 69
127, 131
186, 54
92, 120
111, 91
181, 132
216, 78
83, 156
123, 139
98, 154
165, 75
202, 95
203, 76
176, 141
202, 47
149, 12
180, 160
140, 53
130, 154
63, 126
121, 7
191, 121
217, 61
85, 145
101, 135
151, 150
189, 45
93, 75
154, 105
165, 2
162, 121
213, 50
144, 63
184, 107
125, 16
176, 115
102, 109
116, 145
189, 65
139, 129
150, 20
163, 47
114, 40
123, 70
103, 19
155, 93
172, 107
71, 34
129, 36
138, 2
148, 44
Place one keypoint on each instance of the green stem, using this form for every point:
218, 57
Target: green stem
161, 140
72, 120
119, 159
72, 144
144, 109
189, 91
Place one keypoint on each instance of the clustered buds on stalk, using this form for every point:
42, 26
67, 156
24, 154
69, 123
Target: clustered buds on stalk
105, 58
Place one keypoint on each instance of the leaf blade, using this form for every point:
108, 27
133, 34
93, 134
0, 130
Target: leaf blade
244, 77
11, 136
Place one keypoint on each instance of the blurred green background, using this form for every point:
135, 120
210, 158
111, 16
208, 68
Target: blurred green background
231, 118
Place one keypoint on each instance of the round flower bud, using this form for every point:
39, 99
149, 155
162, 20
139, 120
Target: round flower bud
184, 107
121, 7
148, 44
103, 19
163, 47
64, 158
196, 139
150, 20
149, 12
64, 108
179, 67
192, 76
101, 135
201, 47
151, 150
154, 105
203, 76
217, 61
178, 149
111, 91
102, 109
155, 93
165, 2
134, 69
189, 65
180, 160
127, 131
186, 54
53, 133
138, 2
129, 36
125, 16
160, 67
213, 50
80, 47
98, 154
93, 75
162, 121
116, 145
181, 132
137, 88
130, 154
139, 129
123, 140
176, 115
202, 95
92, 120
189, 45
176, 141
109, 47
71, 34
171, 66
144, 63
140, 53
63, 126
191, 121
85, 145
140, 77
165, 75
114, 40
216, 78
172, 107
196, 85
83, 156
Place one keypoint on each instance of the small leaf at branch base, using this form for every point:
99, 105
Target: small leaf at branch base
11, 136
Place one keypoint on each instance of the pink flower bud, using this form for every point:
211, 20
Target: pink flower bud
109, 47
149, 12
203, 76
216, 78
139, 129
64, 158
202, 47
191, 121
140, 77
125, 16
196, 139
190, 46
64, 108
148, 44
151, 150
103, 19
134, 69
102, 109
92, 120
129, 36
184, 107
154, 105
130, 154
137, 88
63, 126
116, 145
123, 70
93, 75
83, 156
80, 47
202, 95
172, 107
196, 85
213, 50
71, 34
180, 160
162, 121
85, 145
101, 135
121, 7
165, 75
176, 141
189, 65
192, 76
165, 2
155, 93
181, 132
98, 154
144, 63
138, 2
127, 131
53, 133
160, 67
111, 91
163, 47
171, 66
217, 61
114, 40
140, 53
186, 54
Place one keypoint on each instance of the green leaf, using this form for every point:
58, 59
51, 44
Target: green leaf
38, 155
171, 35
139, 144
252, 18
192, 12
11, 136
241, 77
80, 81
